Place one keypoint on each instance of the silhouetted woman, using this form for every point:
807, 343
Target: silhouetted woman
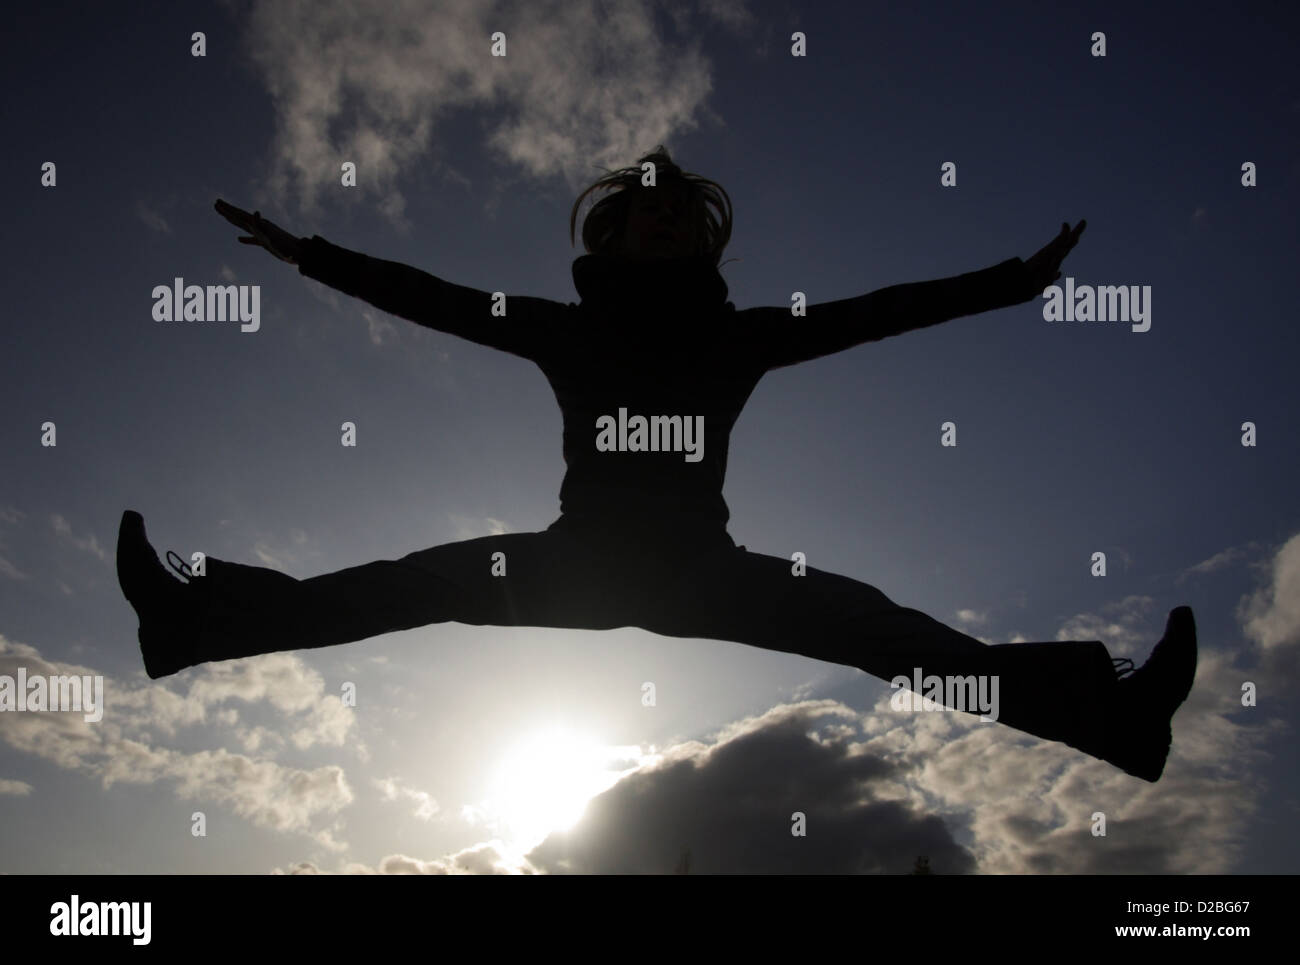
651, 370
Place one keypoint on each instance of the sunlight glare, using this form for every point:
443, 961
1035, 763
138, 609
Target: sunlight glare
543, 783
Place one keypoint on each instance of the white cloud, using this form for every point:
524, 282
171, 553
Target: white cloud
15, 788
87, 544
1218, 561
279, 553
254, 739
582, 84
488, 857
1271, 615
1124, 627
381, 329
972, 617
266, 558
288, 685
472, 527
152, 218
1270, 621
729, 12
122, 748
425, 806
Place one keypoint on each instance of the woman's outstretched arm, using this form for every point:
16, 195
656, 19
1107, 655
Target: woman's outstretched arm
780, 339
526, 329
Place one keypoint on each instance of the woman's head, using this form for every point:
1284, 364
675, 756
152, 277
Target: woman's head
670, 219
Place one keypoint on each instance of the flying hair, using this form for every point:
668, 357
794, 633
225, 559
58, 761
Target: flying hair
602, 229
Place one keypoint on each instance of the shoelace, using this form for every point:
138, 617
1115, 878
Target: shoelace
1122, 671
180, 566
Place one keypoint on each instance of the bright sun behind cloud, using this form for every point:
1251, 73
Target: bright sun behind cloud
544, 781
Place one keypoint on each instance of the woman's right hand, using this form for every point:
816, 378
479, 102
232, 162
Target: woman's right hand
262, 232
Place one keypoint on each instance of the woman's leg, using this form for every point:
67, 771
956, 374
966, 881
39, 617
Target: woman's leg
1059, 691
1065, 691
524, 579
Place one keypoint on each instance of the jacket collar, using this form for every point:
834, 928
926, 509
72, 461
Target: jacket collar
608, 281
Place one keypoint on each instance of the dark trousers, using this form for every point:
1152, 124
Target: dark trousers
598, 577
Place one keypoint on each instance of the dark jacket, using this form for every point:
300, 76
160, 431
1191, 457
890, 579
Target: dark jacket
655, 338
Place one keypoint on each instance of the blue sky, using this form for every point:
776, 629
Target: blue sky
1073, 438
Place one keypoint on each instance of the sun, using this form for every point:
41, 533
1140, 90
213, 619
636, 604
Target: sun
544, 781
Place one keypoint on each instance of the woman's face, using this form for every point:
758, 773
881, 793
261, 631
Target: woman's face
659, 223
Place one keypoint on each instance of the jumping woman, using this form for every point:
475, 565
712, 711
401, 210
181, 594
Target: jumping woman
641, 540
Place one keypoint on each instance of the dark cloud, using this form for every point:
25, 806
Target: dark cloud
730, 804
